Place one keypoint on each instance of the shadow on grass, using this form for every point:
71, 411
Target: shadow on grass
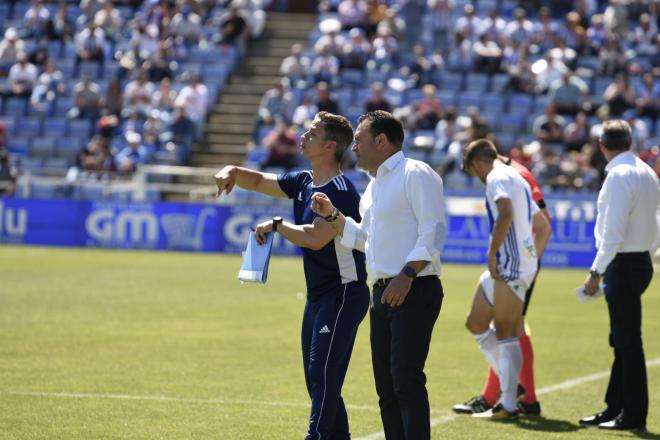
544, 424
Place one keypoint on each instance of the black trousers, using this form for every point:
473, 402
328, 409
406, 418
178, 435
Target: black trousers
400, 338
626, 279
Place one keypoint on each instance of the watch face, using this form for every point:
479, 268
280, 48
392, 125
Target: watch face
277, 219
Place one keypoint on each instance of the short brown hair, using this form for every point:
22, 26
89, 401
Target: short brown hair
339, 129
481, 149
617, 135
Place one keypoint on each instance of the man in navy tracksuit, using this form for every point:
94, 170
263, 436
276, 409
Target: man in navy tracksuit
337, 293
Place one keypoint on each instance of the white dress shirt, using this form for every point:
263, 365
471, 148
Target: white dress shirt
403, 219
628, 210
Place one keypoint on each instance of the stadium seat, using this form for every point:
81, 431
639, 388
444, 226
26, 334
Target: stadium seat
492, 104
55, 127
31, 164
68, 147
15, 107
28, 126
476, 82
447, 98
352, 77
520, 104
42, 147
43, 190
79, 127
57, 163
510, 123
18, 145
451, 81
498, 82
468, 99
10, 125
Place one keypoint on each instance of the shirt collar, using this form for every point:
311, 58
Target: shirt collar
619, 159
390, 163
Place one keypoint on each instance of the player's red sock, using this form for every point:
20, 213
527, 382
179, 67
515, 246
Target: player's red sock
527, 371
491, 389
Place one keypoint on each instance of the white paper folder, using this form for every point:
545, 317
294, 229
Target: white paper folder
255, 260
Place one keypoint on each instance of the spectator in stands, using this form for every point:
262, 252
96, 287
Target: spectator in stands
576, 133
36, 20
547, 70
619, 96
648, 97
276, 105
282, 148
296, 66
324, 101
411, 11
521, 78
377, 101
40, 54
520, 29
49, 86
8, 173
325, 67
571, 29
568, 94
89, 8
331, 39
305, 112
596, 34
158, 66
615, 18
90, 45
356, 50
86, 99
612, 58
376, 12
181, 130
487, 55
493, 26
152, 129
446, 130
428, 111
385, 50
460, 56
157, 15
545, 31
352, 13
234, 30
62, 26
95, 159
640, 131
392, 25
10, 47
255, 16
109, 19
22, 77
138, 94
114, 99
164, 99
441, 16
643, 37
195, 97
548, 171
132, 156
549, 127
468, 25
421, 67
187, 24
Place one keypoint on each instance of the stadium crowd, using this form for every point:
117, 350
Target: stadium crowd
539, 84
105, 85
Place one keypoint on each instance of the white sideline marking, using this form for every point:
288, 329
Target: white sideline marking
545, 390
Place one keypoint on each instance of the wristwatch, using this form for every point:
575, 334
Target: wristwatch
409, 272
277, 221
333, 216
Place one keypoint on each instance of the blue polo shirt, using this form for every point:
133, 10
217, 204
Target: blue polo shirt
333, 265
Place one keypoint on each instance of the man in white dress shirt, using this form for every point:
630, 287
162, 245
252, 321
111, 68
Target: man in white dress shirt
626, 233
512, 267
402, 231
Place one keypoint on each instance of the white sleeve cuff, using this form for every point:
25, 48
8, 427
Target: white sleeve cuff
350, 233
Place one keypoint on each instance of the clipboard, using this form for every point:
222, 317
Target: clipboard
255, 260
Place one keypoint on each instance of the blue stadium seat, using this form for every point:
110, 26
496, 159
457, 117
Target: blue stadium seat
520, 104
28, 126
42, 190
373, 75
344, 97
447, 98
90, 68
42, 147
492, 103
79, 128
451, 81
55, 127
476, 82
57, 163
68, 147
498, 82
352, 77
90, 191
15, 107
540, 103
468, 99
31, 164
10, 125
63, 104
506, 140
18, 145
510, 123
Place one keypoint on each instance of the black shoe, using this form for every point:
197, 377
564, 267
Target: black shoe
529, 409
498, 412
621, 424
597, 419
473, 406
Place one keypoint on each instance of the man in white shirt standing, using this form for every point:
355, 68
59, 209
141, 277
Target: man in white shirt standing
512, 267
402, 231
626, 234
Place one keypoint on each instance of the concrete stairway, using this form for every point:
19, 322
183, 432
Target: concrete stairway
229, 126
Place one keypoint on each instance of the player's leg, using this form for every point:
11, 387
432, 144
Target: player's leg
306, 334
380, 336
334, 332
528, 404
508, 308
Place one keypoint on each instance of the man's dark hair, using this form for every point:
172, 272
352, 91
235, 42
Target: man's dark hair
337, 128
481, 149
617, 135
385, 123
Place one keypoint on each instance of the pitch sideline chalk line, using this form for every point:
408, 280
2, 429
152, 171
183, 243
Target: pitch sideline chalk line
446, 418
545, 390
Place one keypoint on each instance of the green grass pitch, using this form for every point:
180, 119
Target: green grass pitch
143, 345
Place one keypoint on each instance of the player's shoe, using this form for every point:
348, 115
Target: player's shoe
497, 413
529, 409
473, 406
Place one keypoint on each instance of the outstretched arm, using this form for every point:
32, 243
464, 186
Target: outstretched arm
312, 236
231, 175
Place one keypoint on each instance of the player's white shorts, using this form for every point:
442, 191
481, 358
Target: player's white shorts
519, 286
